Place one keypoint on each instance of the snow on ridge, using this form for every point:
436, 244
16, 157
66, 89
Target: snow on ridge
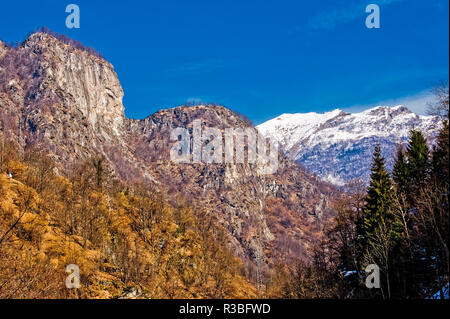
288, 129
338, 146
284, 128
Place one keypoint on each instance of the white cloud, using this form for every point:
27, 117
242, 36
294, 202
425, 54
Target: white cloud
330, 19
195, 100
417, 103
198, 67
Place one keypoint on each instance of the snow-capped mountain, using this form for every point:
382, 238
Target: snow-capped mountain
338, 146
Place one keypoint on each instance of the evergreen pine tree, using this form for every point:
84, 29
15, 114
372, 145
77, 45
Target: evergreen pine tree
418, 163
400, 171
440, 162
379, 196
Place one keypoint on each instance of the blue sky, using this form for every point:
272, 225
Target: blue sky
261, 58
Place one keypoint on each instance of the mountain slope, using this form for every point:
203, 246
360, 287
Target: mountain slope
245, 200
68, 102
126, 244
338, 146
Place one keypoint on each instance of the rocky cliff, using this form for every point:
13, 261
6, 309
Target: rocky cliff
67, 101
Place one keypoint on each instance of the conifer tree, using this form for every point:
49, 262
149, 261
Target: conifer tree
418, 162
400, 171
440, 162
379, 196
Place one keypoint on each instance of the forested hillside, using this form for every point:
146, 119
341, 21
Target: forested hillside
400, 223
127, 241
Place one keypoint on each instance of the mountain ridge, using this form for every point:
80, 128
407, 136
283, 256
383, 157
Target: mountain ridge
68, 102
329, 143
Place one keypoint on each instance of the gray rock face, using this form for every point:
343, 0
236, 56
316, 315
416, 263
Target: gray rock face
78, 78
66, 99
338, 146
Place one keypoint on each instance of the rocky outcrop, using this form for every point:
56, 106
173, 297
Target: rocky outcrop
77, 78
67, 100
71, 82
